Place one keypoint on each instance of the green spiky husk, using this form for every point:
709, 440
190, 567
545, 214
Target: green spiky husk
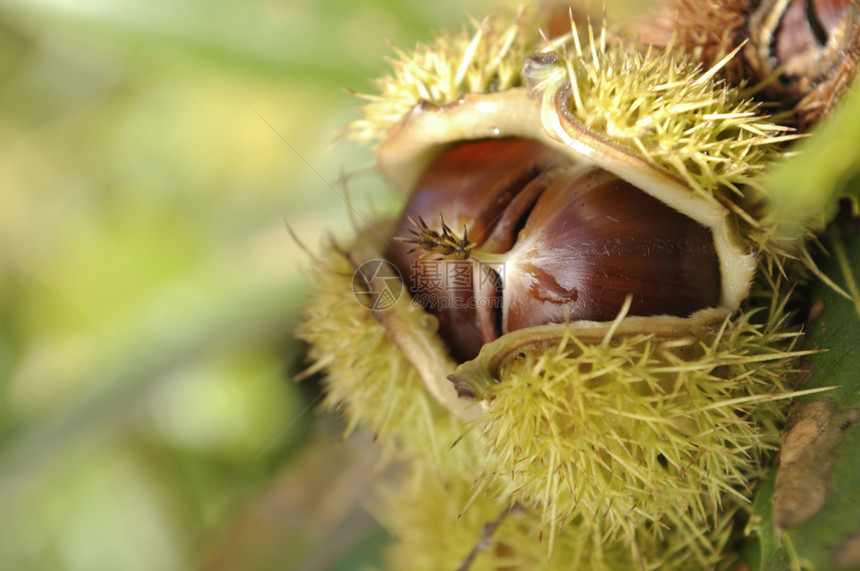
368, 381
635, 442
488, 58
612, 450
639, 428
432, 530
666, 109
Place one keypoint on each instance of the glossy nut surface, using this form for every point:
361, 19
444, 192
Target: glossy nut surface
471, 186
592, 240
551, 241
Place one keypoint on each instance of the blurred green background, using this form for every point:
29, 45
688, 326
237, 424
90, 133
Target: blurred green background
152, 155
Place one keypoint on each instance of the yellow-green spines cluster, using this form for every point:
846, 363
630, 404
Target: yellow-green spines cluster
367, 378
608, 449
634, 452
487, 60
638, 429
668, 109
433, 531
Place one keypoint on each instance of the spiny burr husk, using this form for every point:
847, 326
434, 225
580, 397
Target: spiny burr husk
704, 31
488, 60
666, 109
629, 437
369, 379
494, 534
638, 431
632, 428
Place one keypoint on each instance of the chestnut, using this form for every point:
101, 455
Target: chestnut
472, 187
596, 356
593, 239
542, 240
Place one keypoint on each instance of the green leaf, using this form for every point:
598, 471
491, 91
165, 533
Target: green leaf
817, 488
765, 554
806, 190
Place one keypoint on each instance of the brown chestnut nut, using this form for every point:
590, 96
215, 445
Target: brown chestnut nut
531, 238
802, 54
591, 216
812, 45
471, 187
591, 240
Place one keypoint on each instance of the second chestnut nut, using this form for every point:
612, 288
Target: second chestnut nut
800, 56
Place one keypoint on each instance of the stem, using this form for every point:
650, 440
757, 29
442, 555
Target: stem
486, 535
447, 244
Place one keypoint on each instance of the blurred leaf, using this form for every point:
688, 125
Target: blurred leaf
826, 538
330, 41
236, 316
805, 190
